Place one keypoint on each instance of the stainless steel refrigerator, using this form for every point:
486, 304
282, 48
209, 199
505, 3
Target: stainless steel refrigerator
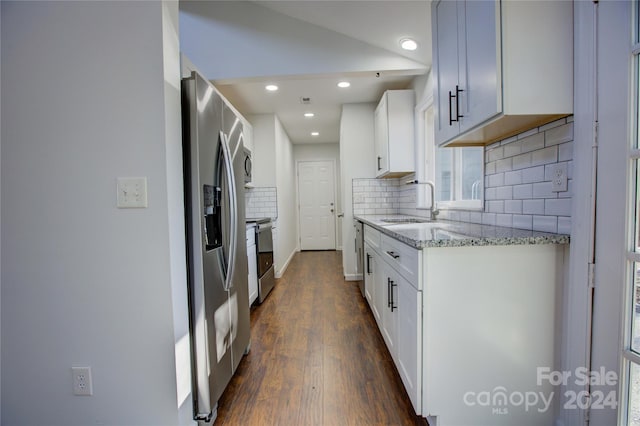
216, 249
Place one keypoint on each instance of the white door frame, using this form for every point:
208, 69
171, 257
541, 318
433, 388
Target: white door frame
335, 201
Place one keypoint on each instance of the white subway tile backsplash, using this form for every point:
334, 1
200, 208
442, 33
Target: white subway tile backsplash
490, 168
545, 223
528, 133
521, 161
522, 221
552, 125
503, 165
532, 143
512, 149
533, 207
495, 154
544, 156
504, 220
513, 206
504, 192
565, 151
513, 178
491, 193
517, 184
557, 207
559, 135
564, 225
488, 219
522, 191
533, 174
495, 206
496, 180
543, 190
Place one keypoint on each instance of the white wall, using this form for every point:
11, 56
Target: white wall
88, 94
357, 159
319, 152
263, 155
272, 44
287, 230
613, 106
274, 166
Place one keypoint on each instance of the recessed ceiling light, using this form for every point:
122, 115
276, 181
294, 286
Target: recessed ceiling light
408, 44
344, 84
271, 87
309, 114
315, 133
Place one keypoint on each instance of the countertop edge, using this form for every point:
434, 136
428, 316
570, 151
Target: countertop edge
537, 238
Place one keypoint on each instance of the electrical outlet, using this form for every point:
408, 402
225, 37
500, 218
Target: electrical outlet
559, 178
132, 193
82, 384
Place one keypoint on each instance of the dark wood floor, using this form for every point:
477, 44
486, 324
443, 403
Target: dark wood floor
316, 357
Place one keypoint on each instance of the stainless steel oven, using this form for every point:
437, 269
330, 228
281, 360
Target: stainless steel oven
264, 247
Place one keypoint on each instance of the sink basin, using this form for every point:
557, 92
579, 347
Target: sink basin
404, 220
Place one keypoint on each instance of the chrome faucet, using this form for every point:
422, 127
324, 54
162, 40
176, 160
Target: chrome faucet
432, 209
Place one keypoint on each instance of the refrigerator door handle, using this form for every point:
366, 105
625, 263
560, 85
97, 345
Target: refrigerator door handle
233, 207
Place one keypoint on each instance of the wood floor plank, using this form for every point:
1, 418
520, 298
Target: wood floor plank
317, 357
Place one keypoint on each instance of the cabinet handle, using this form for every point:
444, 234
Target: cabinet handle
388, 292
393, 305
458, 115
368, 264
451, 120
380, 158
393, 254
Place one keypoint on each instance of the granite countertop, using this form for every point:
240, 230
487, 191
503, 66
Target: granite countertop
445, 233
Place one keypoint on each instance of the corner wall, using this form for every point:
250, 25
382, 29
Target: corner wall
87, 97
356, 138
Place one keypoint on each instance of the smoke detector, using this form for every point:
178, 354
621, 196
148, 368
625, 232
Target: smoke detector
304, 100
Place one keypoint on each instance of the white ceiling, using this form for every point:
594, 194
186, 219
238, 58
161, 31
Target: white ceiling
367, 28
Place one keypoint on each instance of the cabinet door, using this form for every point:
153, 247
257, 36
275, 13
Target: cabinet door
409, 340
253, 273
381, 137
390, 312
445, 65
479, 68
370, 290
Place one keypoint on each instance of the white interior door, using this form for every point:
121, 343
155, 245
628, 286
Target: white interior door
316, 195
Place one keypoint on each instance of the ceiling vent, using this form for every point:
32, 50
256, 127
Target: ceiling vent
305, 100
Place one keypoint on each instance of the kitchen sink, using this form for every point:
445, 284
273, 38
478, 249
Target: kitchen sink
404, 220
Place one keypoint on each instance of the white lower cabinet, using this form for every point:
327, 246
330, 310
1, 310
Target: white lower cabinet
371, 276
465, 322
396, 304
390, 310
252, 264
409, 340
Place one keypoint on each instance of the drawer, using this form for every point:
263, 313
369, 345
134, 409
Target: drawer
372, 236
403, 258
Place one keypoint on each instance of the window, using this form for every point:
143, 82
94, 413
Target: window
458, 173
631, 348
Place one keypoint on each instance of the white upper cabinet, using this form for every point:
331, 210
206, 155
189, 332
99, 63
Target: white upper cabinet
393, 135
500, 68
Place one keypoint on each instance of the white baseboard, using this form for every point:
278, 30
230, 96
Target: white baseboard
353, 277
280, 273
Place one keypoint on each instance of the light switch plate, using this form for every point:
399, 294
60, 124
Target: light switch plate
132, 193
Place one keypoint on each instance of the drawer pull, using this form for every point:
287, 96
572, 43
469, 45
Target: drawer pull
393, 305
393, 254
